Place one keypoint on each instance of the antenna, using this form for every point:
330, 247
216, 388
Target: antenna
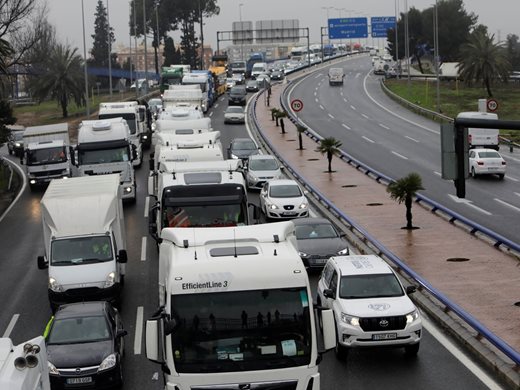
275, 253
194, 244
235, 242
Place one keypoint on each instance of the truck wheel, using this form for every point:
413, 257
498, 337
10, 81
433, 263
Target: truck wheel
501, 176
473, 174
10, 151
340, 351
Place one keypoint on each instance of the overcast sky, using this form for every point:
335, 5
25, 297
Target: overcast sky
501, 16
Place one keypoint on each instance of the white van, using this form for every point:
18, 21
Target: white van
481, 138
258, 68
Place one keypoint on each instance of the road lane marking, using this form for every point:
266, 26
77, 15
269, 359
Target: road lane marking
368, 139
437, 173
211, 113
345, 126
413, 139
507, 204
138, 338
316, 100
383, 126
365, 116
345, 100
331, 116
146, 206
322, 107
512, 179
143, 248
517, 193
354, 108
399, 155
468, 203
318, 75
315, 93
341, 93
216, 105
11, 325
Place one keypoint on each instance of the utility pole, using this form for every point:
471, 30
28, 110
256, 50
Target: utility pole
158, 36
109, 53
85, 57
145, 51
436, 44
201, 37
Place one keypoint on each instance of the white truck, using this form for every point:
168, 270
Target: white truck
182, 94
336, 76
46, 153
203, 82
481, 138
236, 311
105, 147
135, 118
84, 238
24, 366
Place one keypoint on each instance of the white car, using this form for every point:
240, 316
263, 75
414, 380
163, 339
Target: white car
486, 162
261, 168
263, 80
230, 83
371, 307
234, 114
282, 199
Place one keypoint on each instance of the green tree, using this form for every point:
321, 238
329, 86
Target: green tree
61, 78
103, 36
171, 55
404, 190
300, 129
481, 60
513, 51
329, 146
6, 118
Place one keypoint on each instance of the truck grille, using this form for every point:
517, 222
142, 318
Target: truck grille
278, 385
55, 172
376, 324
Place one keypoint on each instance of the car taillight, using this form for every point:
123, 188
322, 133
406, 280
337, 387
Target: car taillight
480, 163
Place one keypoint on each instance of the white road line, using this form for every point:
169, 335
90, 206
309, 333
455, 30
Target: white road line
508, 157
138, 330
399, 155
322, 107
216, 105
211, 113
331, 116
354, 108
468, 203
11, 325
413, 139
316, 100
517, 193
508, 205
384, 126
437, 173
456, 352
368, 139
315, 93
345, 100
318, 75
341, 93
365, 116
143, 248
345, 126
512, 179
146, 206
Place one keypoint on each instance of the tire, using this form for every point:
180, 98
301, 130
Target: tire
412, 350
501, 176
10, 151
340, 351
473, 174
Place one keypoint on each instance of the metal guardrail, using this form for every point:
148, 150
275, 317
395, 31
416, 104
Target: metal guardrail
481, 330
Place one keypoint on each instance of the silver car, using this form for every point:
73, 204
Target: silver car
260, 168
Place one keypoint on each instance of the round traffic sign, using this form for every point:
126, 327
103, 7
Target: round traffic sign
492, 105
296, 105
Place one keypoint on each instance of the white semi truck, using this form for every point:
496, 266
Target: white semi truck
105, 147
46, 153
85, 239
236, 311
24, 366
136, 120
182, 95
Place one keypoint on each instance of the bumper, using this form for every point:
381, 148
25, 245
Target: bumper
234, 120
42, 181
354, 337
91, 379
110, 294
280, 214
490, 171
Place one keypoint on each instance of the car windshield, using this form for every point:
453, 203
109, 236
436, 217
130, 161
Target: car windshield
81, 250
17, 135
322, 230
263, 164
285, 191
489, 154
241, 330
78, 330
369, 286
46, 156
102, 156
244, 145
235, 110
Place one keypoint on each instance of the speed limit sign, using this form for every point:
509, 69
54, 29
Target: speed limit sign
492, 105
296, 105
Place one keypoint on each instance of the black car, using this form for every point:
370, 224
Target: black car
85, 346
15, 143
318, 240
277, 75
237, 95
242, 148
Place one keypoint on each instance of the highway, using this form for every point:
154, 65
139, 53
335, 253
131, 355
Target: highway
380, 133
23, 290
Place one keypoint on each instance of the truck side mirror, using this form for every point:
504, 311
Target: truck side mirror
256, 211
122, 257
72, 156
411, 289
151, 164
328, 293
134, 152
42, 262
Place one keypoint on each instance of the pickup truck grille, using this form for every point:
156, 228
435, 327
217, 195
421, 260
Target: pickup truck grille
376, 324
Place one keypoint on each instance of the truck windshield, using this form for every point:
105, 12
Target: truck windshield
81, 250
205, 215
102, 156
241, 330
202, 85
46, 156
131, 119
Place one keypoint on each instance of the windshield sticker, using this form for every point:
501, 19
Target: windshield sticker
304, 298
267, 349
288, 348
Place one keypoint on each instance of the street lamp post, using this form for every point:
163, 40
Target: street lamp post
241, 32
135, 47
85, 57
109, 53
407, 44
396, 33
322, 51
145, 87
436, 53
158, 35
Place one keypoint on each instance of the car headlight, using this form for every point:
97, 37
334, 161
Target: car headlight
343, 251
413, 316
110, 280
348, 319
252, 177
304, 205
272, 206
303, 254
109, 362
52, 369
17, 144
145, 137
234, 156
128, 190
54, 285
154, 126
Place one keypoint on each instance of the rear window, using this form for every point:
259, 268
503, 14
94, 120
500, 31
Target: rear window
489, 154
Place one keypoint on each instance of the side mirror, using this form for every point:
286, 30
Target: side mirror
282, 167
122, 257
121, 333
42, 262
411, 289
328, 293
151, 164
72, 156
134, 152
256, 211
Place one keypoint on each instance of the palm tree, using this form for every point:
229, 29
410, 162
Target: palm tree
482, 60
404, 190
329, 146
61, 78
300, 129
278, 115
274, 111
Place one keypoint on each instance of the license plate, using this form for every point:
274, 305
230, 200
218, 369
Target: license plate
288, 213
320, 261
77, 381
384, 336
492, 168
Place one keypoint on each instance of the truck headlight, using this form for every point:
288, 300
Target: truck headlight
343, 252
303, 205
32, 181
348, 319
52, 369
413, 316
303, 254
145, 137
17, 144
109, 362
110, 280
128, 190
54, 285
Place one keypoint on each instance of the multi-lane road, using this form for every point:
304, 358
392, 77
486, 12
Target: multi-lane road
23, 287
